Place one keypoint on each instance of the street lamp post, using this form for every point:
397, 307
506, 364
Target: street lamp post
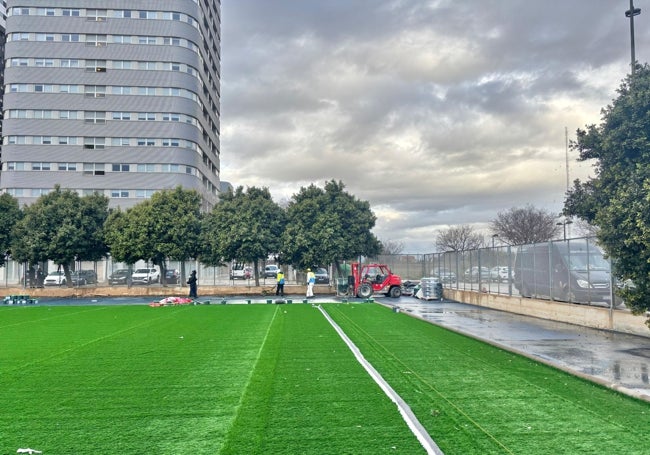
564, 224
631, 13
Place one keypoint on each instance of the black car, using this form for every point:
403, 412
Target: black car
322, 277
83, 277
172, 276
119, 276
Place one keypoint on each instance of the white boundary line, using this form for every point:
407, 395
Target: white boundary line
413, 423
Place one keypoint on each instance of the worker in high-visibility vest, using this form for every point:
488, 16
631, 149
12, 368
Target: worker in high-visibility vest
279, 290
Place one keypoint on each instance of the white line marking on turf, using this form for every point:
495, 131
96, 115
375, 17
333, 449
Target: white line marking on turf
413, 423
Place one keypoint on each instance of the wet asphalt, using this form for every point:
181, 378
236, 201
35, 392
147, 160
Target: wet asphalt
617, 360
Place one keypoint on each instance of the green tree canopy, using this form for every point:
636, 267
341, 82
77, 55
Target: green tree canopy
617, 198
62, 227
326, 226
245, 226
10, 214
167, 226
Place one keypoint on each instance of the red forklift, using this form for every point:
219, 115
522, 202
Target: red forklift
367, 279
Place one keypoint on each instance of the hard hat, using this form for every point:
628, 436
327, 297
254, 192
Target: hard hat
309, 270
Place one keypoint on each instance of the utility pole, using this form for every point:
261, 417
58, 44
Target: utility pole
631, 13
566, 156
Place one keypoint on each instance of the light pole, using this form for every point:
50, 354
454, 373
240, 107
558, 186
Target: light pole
563, 224
631, 13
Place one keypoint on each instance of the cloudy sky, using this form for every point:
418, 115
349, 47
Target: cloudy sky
437, 112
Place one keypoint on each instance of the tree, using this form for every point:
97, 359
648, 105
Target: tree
167, 226
10, 214
391, 247
617, 198
326, 226
459, 238
519, 226
177, 227
245, 226
62, 227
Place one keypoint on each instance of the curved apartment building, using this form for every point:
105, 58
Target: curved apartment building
120, 100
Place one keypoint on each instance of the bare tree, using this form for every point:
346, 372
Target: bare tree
391, 247
459, 238
528, 224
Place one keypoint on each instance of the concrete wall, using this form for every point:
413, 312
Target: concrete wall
616, 320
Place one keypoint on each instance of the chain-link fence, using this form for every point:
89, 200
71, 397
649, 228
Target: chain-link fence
573, 270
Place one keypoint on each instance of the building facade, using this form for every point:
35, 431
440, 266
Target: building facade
120, 100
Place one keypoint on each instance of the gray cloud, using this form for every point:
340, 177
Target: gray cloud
438, 113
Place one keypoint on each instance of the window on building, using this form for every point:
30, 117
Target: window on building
96, 40
118, 167
93, 169
146, 40
67, 166
42, 113
44, 37
122, 39
67, 140
69, 89
171, 142
44, 88
94, 143
71, 12
146, 116
68, 115
46, 62
97, 15
121, 116
69, 63
172, 168
144, 193
146, 167
95, 91
16, 166
96, 66
119, 193
71, 37
95, 117
120, 141
120, 90
41, 166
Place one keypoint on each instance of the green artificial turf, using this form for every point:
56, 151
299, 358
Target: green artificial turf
239, 379
277, 379
474, 398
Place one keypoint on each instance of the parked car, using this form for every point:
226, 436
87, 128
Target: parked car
271, 271
83, 277
172, 276
241, 272
445, 276
145, 276
476, 273
120, 276
55, 279
322, 277
500, 274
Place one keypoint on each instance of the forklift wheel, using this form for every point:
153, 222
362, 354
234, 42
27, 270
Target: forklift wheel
365, 291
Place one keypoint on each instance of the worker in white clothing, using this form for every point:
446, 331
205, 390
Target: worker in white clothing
311, 280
